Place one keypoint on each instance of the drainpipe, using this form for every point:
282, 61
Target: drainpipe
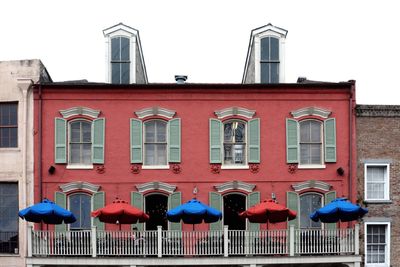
40, 146
351, 140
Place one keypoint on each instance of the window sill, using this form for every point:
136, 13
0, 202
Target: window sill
312, 166
10, 149
80, 167
234, 167
378, 201
155, 167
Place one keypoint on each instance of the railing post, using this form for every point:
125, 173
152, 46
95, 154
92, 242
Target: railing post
29, 237
226, 240
94, 241
159, 241
291, 240
357, 239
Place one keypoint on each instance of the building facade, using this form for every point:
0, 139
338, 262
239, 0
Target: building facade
378, 169
16, 153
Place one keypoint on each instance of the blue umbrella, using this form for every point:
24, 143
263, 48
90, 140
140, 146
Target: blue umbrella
339, 209
194, 212
47, 212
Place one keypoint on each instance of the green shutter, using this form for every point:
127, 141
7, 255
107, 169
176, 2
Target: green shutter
291, 141
136, 141
60, 141
174, 142
329, 196
61, 200
137, 201
293, 204
330, 140
254, 141
215, 141
215, 201
174, 200
253, 199
98, 141
98, 201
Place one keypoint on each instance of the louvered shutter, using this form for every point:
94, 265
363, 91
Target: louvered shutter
174, 142
215, 201
292, 141
293, 204
98, 141
136, 141
61, 200
137, 201
253, 199
215, 141
329, 196
60, 140
330, 140
254, 140
98, 201
174, 200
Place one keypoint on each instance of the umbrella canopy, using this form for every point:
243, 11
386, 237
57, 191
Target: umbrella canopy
339, 209
120, 212
268, 211
194, 212
47, 212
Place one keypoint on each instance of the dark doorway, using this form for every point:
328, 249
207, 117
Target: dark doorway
233, 205
156, 207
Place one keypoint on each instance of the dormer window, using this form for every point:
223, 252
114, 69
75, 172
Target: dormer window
124, 57
269, 62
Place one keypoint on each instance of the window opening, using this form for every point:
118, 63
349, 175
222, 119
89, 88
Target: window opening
233, 205
156, 207
155, 143
80, 206
120, 60
9, 218
308, 204
310, 142
80, 142
269, 60
235, 143
8, 125
376, 244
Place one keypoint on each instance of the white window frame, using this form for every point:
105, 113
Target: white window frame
78, 165
386, 181
311, 166
234, 166
91, 208
387, 250
159, 167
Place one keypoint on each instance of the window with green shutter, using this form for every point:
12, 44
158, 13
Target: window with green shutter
60, 199
98, 141
60, 140
174, 140
292, 202
174, 200
330, 140
138, 202
329, 196
253, 199
98, 201
215, 201
136, 141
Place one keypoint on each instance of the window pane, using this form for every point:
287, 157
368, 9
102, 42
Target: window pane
13, 114
305, 128
315, 131
115, 73
239, 132
115, 49
274, 72
228, 154
86, 132
5, 115
228, 133
150, 131
80, 205
376, 243
305, 154
149, 151
75, 153
376, 173
75, 132
315, 151
265, 77
13, 137
125, 73
124, 48
308, 204
161, 131
265, 49
274, 50
161, 154
87, 153
9, 218
239, 154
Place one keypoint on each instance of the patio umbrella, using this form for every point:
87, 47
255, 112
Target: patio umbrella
47, 212
268, 211
339, 209
120, 212
194, 212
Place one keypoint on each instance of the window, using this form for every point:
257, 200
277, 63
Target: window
269, 60
8, 125
9, 217
376, 182
377, 244
156, 207
235, 143
310, 142
155, 142
80, 206
120, 60
308, 204
80, 142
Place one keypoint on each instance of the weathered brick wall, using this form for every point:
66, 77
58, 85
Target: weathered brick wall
378, 137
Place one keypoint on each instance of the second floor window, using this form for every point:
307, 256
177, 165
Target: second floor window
310, 142
155, 142
8, 125
308, 204
269, 60
80, 142
376, 182
234, 143
120, 60
80, 206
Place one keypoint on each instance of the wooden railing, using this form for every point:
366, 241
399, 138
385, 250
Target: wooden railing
159, 243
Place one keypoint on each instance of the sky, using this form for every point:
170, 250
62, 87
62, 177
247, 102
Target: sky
207, 40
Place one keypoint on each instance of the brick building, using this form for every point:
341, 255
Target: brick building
378, 175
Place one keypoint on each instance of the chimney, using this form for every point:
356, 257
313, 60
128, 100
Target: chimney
180, 79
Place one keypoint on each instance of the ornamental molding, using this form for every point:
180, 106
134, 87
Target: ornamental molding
235, 185
311, 111
75, 111
378, 111
79, 186
235, 111
155, 111
311, 184
168, 188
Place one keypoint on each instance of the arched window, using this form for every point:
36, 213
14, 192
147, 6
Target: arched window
120, 60
234, 142
156, 206
234, 204
155, 143
311, 142
309, 203
80, 206
269, 60
80, 142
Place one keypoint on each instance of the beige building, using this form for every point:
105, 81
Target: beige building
16, 153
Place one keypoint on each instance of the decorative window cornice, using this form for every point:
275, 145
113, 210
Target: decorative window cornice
235, 111
235, 185
79, 186
311, 184
75, 111
168, 188
311, 111
155, 111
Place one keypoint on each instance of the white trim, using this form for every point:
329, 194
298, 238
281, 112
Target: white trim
311, 111
168, 188
79, 166
235, 111
312, 166
155, 167
387, 241
79, 185
155, 111
386, 189
234, 167
235, 185
311, 184
75, 111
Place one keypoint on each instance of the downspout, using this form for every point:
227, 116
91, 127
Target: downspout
40, 145
351, 140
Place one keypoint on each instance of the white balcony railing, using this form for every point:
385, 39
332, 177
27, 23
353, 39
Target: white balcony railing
159, 243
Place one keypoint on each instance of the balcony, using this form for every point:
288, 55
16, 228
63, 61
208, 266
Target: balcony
138, 247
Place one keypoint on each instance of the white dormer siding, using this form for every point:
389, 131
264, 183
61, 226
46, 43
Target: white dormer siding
124, 57
265, 62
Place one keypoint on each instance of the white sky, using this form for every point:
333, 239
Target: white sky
207, 40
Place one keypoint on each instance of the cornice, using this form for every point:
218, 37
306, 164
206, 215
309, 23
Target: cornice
155, 111
79, 185
311, 111
75, 111
378, 111
235, 111
168, 188
311, 184
235, 185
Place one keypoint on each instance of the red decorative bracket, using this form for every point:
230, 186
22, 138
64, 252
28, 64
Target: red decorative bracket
254, 168
135, 168
292, 168
215, 168
101, 169
176, 168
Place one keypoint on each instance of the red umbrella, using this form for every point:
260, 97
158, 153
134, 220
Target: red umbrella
120, 212
268, 211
